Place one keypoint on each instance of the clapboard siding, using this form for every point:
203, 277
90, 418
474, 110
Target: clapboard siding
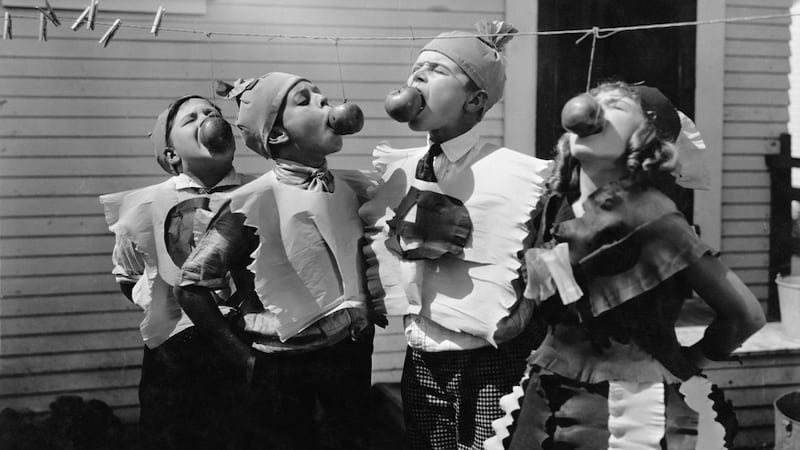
73, 123
755, 112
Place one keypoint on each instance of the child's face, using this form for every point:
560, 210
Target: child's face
185, 138
443, 86
305, 120
623, 116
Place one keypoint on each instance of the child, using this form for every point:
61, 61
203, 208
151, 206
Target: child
611, 369
444, 230
181, 403
290, 239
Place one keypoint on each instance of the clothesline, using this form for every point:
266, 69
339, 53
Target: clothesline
581, 31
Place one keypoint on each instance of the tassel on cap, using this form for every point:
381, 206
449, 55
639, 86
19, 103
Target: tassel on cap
496, 33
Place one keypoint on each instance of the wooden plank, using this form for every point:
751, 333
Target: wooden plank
755, 96
744, 163
53, 226
54, 383
72, 342
749, 80
69, 245
64, 304
56, 265
141, 6
745, 260
753, 211
124, 400
745, 146
174, 70
766, 33
749, 47
756, 114
784, 4
77, 323
748, 378
745, 129
389, 5
757, 65
757, 9
757, 395
745, 195
745, 179
745, 244
60, 186
745, 228
68, 362
752, 276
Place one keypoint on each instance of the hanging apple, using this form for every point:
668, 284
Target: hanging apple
404, 104
582, 115
216, 134
346, 118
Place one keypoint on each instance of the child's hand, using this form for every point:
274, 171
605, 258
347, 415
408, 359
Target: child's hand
360, 325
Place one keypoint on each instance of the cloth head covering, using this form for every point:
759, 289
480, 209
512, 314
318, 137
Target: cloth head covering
691, 170
481, 58
259, 100
160, 134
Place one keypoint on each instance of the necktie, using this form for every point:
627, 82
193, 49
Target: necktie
425, 165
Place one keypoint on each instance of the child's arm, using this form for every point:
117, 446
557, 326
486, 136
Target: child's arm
738, 313
128, 265
206, 269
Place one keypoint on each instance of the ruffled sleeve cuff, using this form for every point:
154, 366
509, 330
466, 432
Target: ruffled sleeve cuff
652, 253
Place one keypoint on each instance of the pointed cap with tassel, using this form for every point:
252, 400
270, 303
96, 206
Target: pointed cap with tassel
480, 58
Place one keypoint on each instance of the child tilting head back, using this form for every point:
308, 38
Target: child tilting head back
457, 77
191, 137
444, 229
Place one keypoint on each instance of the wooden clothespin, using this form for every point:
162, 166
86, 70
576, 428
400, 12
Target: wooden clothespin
43, 27
92, 13
157, 20
110, 33
7, 27
49, 13
81, 19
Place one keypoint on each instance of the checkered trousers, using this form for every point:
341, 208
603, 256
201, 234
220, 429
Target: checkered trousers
451, 398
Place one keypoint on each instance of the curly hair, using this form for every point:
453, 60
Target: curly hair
648, 153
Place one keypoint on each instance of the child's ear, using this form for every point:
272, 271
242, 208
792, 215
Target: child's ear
476, 101
173, 159
277, 136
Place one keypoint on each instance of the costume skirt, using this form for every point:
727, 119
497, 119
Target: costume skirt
548, 411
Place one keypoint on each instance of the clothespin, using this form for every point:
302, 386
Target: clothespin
157, 20
43, 27
110, 33
7, 27
92, 13
81, 19
49, 13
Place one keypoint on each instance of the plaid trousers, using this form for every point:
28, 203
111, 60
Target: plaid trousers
451, 398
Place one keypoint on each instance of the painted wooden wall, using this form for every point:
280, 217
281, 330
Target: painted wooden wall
756, 99
73, 123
